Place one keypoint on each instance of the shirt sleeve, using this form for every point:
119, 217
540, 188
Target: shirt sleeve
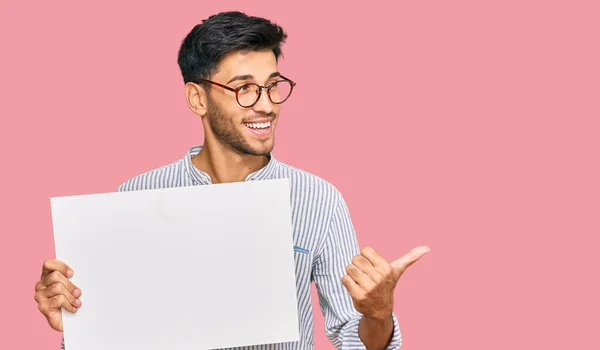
341, 318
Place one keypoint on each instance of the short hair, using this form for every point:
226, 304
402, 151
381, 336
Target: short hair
207, 43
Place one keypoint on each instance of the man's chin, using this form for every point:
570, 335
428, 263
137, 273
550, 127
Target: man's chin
261, 150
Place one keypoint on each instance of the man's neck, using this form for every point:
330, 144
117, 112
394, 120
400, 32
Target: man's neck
227, 165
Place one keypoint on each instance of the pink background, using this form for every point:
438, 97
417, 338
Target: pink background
470, 126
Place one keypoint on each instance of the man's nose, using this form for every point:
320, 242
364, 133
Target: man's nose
264, 104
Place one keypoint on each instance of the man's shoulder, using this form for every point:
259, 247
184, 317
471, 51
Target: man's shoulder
307, 182
169, 175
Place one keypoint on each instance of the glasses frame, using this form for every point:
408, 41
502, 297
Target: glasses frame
260, 90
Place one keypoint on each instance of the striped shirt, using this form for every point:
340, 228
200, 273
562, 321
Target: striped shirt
324, 244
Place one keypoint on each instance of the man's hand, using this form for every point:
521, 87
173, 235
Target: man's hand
54, 291
371, 281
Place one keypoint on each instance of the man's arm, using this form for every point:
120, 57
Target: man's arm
375, 334
345, 327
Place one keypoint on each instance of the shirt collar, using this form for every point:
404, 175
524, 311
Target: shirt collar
201, 178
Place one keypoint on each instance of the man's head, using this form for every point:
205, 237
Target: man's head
218, 59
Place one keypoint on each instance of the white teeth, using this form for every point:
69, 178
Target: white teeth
259, 125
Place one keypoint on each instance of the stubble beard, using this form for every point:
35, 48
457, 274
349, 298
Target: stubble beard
231, 136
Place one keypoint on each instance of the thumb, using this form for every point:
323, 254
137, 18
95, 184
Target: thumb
55, 320
409, 258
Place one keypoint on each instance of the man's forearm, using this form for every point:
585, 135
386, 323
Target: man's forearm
375, 334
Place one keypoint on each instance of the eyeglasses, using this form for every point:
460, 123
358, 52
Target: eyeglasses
248, 95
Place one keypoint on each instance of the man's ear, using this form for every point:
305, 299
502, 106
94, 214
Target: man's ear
196, 98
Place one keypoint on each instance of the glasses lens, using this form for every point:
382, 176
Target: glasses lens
248, 94
280, 91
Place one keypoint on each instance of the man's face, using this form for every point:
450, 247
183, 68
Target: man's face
243, 130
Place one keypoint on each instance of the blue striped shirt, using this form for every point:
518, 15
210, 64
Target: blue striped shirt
324, 239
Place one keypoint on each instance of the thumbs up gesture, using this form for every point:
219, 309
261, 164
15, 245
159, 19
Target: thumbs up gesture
371, 280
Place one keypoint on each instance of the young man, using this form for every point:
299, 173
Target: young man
229, 66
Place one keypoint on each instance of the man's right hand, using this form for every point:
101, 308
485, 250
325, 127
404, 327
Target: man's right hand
54, 291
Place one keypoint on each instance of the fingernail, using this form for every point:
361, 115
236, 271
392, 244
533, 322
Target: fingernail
78, 302
70, 273
77, 293
74, 309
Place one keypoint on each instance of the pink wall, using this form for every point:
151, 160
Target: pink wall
468, 126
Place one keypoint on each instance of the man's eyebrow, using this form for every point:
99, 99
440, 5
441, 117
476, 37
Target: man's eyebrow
251, 77
241, 77
274, 75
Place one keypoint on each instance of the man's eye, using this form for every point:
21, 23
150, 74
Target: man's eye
247, 88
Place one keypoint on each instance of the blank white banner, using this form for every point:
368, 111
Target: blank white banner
198, 267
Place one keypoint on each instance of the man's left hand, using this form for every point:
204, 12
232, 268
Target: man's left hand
371, 281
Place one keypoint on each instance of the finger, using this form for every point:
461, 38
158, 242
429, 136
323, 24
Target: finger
60, 289
58, 277
358, 276
409, 258
47, 307
40, 285
374, 257
52, 265
366, 267
350, 285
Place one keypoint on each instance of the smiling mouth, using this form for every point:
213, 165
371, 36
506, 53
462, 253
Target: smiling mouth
259, 126
262, 129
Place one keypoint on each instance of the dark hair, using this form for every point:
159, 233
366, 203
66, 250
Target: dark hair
207, 43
